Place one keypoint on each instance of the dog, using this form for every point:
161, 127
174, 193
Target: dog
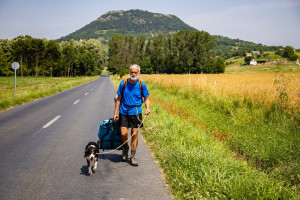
91, 155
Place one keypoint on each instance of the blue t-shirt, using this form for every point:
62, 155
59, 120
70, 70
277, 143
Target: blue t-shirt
132, 97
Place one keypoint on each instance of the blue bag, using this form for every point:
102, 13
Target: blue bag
109, 135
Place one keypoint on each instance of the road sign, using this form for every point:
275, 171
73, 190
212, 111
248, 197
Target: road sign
15, 65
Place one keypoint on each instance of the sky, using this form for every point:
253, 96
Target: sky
269, 22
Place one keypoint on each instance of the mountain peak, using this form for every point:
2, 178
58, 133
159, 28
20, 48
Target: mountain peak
133, 22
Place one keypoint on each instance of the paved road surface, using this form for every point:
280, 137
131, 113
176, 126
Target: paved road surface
42, 145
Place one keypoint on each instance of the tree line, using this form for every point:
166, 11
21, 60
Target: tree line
42, 57
288, 52
182, 52
227, 48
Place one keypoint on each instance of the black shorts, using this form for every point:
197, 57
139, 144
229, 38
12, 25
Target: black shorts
130, 121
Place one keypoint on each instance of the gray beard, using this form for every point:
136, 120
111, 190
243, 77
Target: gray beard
134, 78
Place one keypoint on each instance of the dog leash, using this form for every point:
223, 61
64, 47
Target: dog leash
126, 140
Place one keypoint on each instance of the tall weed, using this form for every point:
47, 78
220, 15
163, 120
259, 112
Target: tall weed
220, 147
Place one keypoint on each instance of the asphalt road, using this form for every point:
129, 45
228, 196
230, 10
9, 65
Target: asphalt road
42, 146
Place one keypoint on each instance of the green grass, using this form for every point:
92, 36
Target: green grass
219, 149
197, 163
291, 67
236, 64
235, 61
32, 88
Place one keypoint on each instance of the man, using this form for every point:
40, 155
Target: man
128, 110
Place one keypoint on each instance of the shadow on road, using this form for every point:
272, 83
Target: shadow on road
102, 159
84, 170
116, 158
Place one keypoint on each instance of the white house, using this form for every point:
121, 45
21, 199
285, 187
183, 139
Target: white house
256, 52
253, 62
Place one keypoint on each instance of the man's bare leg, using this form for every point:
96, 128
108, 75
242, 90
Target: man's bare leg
124, 137
134, 143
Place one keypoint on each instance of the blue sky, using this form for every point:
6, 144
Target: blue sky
270, 22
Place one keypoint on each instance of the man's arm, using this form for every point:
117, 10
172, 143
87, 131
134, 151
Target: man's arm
117, 107
147, 104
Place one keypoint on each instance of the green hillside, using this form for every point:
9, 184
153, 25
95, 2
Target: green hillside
132, 22
148, 24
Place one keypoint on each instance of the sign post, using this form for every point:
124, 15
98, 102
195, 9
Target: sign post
15, 66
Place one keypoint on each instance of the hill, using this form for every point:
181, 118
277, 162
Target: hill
133, 22
138, 22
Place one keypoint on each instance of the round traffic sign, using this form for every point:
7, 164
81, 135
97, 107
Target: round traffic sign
15, 65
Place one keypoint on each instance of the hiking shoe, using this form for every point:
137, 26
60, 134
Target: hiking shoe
125, 152
133, 161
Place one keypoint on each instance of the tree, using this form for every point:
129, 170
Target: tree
289, 53
5, 58
38, 48
219, 66
23, 52
293, 57
248, 59
18, 49
146, 67
52, 54
68, 58
117, 59
125, 51
158, 55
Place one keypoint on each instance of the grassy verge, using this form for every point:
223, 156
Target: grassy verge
218, 148
292, 67
207, 153
32, 88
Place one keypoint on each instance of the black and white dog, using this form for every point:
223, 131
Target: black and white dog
91, 155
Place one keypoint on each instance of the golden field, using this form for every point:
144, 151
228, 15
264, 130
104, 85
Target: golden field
259, 88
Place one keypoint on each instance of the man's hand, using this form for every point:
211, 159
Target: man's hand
116, 117
147, 112
147, 104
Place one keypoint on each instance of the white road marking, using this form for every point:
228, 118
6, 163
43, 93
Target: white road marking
76, 101
86, 94
47, 125
52, 121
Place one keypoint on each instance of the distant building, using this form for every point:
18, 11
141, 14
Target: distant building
253, 62
248, 54
256, 52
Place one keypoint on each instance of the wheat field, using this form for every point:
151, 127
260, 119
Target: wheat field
260, 88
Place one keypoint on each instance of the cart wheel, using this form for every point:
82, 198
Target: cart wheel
98, 143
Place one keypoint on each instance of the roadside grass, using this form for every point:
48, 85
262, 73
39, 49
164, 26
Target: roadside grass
215, 147
32, 88
207, 154
270, 90
290, 67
